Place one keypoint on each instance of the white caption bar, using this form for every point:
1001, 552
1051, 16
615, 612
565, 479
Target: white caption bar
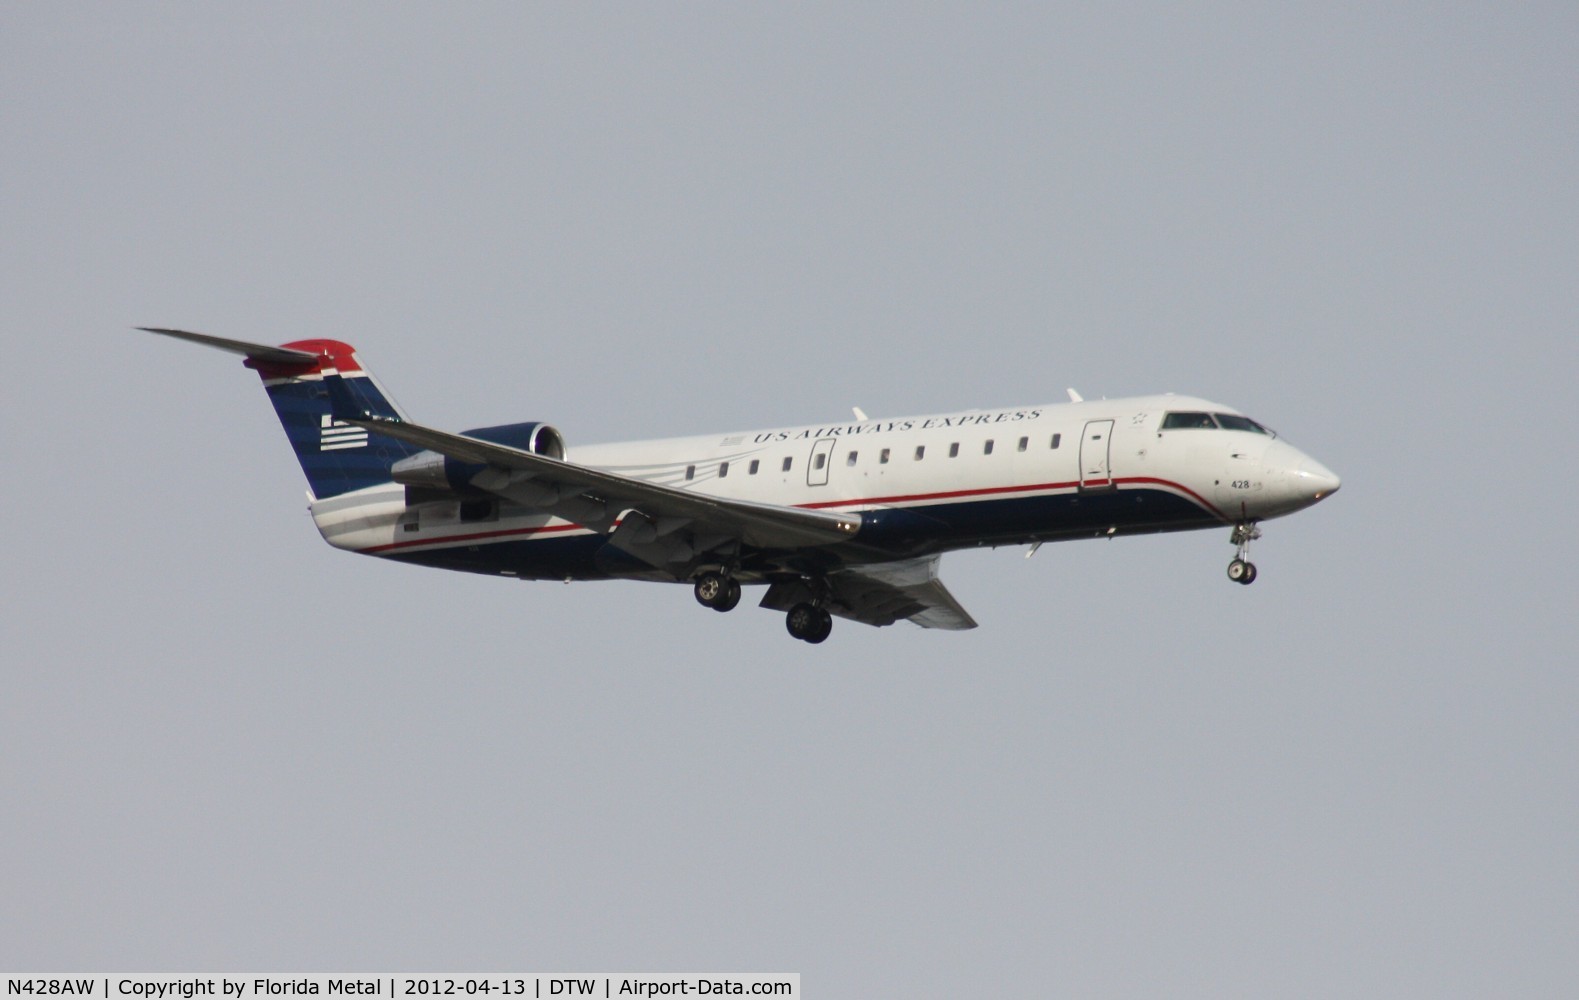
401, 986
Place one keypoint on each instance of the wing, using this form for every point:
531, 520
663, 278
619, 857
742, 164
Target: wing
881, 594
659, 524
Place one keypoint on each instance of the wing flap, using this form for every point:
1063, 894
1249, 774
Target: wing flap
881, 594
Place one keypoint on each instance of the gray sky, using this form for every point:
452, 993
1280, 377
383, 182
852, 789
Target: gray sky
226, 746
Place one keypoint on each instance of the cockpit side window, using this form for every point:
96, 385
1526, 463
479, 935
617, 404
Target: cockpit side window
1185, 421
1234, 422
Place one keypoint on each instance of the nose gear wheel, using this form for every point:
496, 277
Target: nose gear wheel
1242, 570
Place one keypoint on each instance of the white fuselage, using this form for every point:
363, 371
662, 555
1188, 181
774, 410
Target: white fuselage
842, 519
922, 484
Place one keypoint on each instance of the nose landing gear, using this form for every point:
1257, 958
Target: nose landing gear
1242, 570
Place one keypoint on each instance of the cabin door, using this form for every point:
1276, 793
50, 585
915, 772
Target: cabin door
817, 464
1095, 448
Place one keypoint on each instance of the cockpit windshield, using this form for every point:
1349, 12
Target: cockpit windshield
1234, 422
1184, 421
1187, 420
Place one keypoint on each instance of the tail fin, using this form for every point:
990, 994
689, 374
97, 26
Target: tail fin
337, 457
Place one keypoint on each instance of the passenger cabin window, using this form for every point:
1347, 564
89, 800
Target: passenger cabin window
751, 470
921, 452
1056, 439
723, 469
1024, 443
986, 449
690, 472
819, 460
953, 450
1188, 421
850, 459
787, 463
882, 457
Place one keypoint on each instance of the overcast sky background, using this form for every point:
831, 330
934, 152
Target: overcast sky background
226, 746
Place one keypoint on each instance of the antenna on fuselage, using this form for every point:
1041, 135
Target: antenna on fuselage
1074, 397
860, 414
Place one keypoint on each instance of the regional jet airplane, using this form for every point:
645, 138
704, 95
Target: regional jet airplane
836, 519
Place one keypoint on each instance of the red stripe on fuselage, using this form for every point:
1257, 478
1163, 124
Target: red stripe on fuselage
475, 536
1033, 488
950, 495
915, 498
1173, 485
1147, 480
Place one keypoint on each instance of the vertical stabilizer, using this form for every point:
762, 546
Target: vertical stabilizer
336, 457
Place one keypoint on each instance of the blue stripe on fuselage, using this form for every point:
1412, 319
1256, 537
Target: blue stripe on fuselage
894, 532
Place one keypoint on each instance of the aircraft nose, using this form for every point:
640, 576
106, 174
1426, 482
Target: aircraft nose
1295, 480
1316, 481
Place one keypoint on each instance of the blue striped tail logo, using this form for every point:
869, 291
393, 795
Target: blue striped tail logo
337, 435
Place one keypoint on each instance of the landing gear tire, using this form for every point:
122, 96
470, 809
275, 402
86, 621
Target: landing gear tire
717, 591
1242, 571
808, 623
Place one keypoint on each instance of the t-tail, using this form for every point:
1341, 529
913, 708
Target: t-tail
337, 457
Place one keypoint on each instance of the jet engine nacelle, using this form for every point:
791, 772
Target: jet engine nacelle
428, 470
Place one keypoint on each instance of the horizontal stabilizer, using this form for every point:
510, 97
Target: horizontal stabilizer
262, 352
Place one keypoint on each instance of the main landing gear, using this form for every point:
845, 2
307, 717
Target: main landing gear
808, 623
717, 591
1242, 570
